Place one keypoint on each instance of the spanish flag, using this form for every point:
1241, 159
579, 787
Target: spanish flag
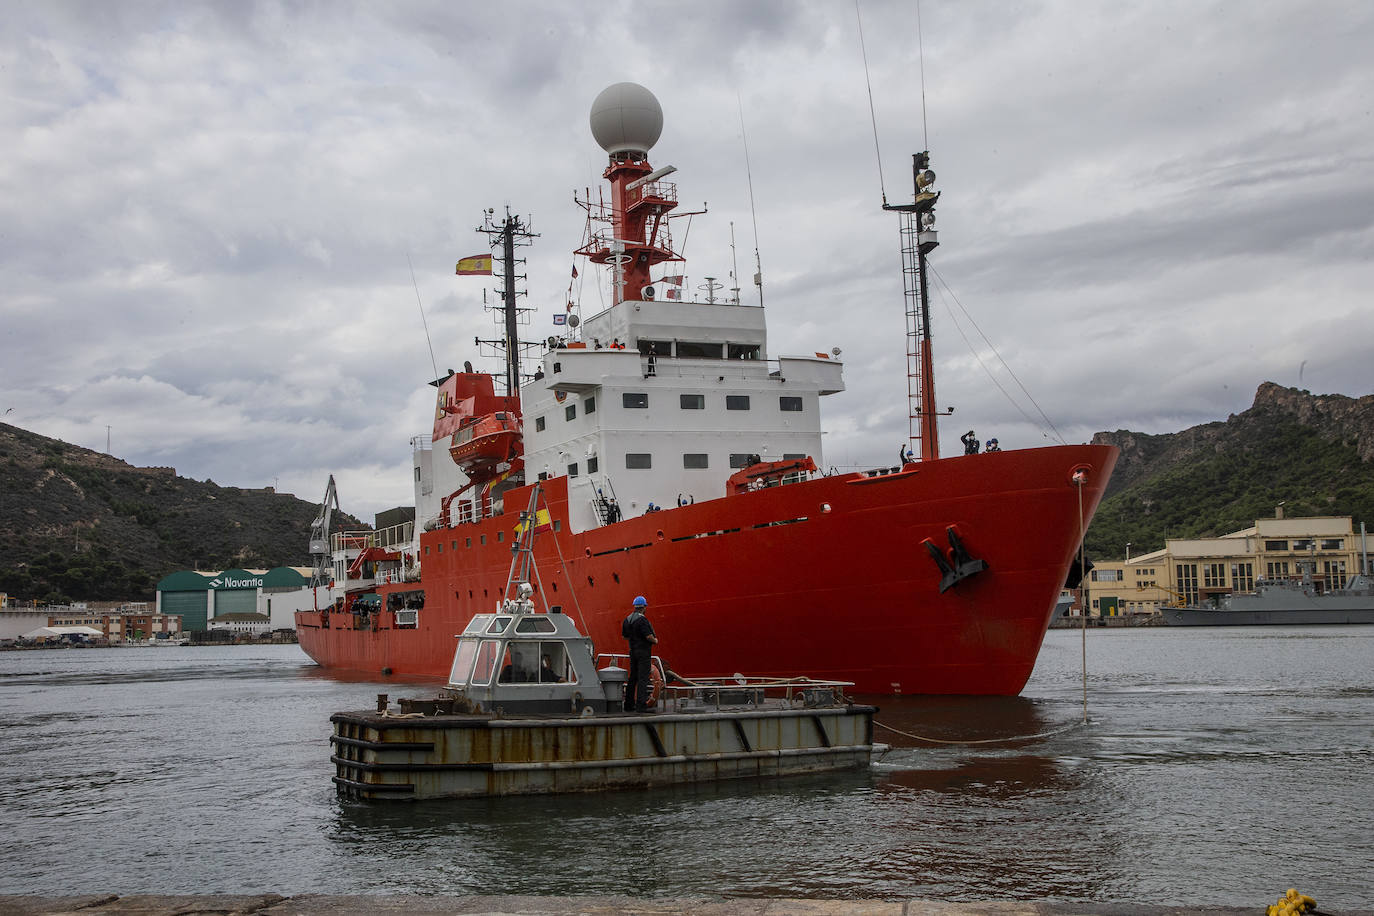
476, 264
542, 522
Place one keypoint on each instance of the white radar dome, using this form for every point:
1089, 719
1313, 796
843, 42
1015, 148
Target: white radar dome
626, 118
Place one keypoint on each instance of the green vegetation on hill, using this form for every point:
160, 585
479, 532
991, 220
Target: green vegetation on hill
1303, 451
79, 525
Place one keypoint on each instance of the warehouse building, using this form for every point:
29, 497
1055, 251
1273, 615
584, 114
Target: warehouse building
200, 598
1325, 549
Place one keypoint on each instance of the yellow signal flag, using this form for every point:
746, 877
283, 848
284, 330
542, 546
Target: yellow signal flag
477, 264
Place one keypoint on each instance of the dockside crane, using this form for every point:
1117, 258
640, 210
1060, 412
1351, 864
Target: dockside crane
321, 556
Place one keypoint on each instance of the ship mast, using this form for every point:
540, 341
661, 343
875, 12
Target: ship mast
918, 239
626, 121
508, 233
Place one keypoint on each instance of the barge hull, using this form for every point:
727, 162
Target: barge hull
454, 756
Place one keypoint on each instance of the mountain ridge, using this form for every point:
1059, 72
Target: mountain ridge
77, 524
1312, 454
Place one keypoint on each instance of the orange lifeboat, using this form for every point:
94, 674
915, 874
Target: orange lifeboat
761, 474
488, 441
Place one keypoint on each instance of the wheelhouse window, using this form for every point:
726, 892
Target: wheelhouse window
462, 661
786, 403
743, 351
486, 662
539, 424
570, 412
634, 399
572, 469
529, 661
655, 347
695, 460
737, 402
692, 401
589, 405
638, 461
688, 349
592, 464
743, 460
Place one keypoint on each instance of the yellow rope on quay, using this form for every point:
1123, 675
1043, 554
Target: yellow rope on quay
1292, 904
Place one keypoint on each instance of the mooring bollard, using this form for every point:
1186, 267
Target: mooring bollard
381, 702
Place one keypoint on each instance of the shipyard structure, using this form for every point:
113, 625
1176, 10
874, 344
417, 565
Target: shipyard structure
1323, 552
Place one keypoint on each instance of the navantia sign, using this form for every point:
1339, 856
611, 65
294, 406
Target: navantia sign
231, 582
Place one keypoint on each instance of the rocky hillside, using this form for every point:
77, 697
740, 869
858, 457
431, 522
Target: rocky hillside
81, 525
1314, 454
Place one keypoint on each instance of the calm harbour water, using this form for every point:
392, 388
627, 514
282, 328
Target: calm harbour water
1220, 766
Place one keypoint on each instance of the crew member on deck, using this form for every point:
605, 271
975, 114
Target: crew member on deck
640, 634
970, 440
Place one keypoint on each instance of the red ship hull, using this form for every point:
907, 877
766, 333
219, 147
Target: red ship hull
830, 578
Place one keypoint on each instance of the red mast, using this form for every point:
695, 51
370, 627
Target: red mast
919, 238
626, 121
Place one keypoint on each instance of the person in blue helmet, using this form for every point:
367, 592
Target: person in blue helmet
640, 633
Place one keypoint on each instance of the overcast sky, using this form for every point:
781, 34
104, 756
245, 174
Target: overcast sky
208, 210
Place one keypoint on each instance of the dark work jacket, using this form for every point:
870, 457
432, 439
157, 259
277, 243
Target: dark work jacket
637, 629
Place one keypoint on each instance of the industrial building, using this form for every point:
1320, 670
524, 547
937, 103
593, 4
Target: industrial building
1325, 549
201, 598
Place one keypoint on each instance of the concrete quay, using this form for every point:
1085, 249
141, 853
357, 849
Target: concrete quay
363, 905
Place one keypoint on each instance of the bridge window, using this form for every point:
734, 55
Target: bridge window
634, 399
692, 401
570, 412
592, 465
539, 424
789, 403
737, 402
744, 351
694, 461
690, 350
589, 405
638, 461
572, 469
742, 460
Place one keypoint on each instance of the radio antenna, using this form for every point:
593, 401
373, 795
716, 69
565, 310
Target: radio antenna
433, 365
753, 213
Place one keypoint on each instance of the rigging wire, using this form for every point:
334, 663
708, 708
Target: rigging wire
753, 212
577, 606
872, 114
432, 362
1015, 378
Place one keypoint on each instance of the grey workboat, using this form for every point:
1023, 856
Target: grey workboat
550, 721
531, 708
